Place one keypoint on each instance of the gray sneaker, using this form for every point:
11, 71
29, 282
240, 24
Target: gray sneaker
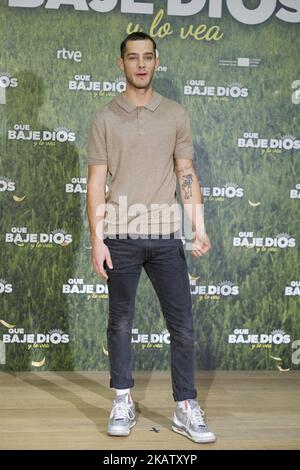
189, 422
122, 416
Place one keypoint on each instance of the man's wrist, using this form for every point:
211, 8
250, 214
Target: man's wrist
199, 234
96, 240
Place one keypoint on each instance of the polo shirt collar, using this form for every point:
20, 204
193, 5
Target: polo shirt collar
152, 104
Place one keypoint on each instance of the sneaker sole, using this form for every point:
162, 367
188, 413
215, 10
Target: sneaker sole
120, 433
199, 441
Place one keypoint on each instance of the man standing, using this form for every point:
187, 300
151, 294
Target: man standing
143, 141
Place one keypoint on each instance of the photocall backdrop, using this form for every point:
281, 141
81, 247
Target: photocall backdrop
234, 66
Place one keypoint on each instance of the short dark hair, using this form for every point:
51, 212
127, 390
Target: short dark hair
137, 36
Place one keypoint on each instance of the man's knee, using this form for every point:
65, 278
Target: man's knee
119, 326
182, 335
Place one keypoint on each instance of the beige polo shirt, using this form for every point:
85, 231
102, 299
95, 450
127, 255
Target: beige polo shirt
139, 145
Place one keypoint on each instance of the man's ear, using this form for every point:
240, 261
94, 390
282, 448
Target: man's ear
157, 63
120, 63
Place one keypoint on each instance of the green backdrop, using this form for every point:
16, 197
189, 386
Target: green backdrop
239, 84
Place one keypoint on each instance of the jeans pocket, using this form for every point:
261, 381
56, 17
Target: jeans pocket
181, 251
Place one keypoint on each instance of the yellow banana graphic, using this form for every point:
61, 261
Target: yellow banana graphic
254, 204
282, 370
19, 199
276, 358
7, 325
39, 363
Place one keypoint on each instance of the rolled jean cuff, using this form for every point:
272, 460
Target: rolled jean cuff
186, 395
120, 386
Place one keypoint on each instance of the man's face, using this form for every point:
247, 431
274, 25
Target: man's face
139, 63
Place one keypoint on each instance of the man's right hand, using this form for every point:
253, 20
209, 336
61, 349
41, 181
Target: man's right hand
100, 254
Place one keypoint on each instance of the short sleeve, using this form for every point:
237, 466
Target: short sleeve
97, 150
184, 141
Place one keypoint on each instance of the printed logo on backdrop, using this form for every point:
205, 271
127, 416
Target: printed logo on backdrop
5, 287
6, 184
264, 244
76, 185
287, 10
258, 339
161, 68
150, 340
7, 80
296, 93
293, 289
85, 83
295, 193
66, 54
296, 353
221, 193
20, 236
268, 145
240, 62
9, 186
218, 291
215, 92
36, 341
23, 132
77, 286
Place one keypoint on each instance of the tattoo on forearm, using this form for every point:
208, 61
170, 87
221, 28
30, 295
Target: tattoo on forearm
187, 185
183, 169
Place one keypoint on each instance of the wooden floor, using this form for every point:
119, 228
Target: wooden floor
69, 410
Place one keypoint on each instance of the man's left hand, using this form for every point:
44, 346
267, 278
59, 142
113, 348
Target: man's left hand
201, 245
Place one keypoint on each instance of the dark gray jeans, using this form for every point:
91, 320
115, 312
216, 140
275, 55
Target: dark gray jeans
165, 264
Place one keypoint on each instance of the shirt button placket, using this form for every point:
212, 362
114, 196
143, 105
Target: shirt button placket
140, 118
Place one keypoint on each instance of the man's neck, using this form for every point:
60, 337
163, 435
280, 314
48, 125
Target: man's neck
138, 97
